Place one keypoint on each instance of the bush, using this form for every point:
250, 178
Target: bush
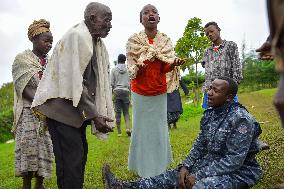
191, 79
258, 75
6, 96
6, 123
189, 110
6, 111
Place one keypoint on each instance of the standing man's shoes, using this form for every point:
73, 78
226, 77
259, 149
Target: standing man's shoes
128, 132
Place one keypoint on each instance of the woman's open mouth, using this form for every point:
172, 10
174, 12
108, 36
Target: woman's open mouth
151, 19
209, 100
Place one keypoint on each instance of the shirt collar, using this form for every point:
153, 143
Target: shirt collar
221, 45
223, 107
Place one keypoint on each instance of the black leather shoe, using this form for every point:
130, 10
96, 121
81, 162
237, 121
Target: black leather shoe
128, 132
109, 179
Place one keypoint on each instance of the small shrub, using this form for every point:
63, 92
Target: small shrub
6, 122
6, 96
190, 79
189, 110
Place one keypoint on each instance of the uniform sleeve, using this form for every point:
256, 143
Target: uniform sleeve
236, 64
238, 144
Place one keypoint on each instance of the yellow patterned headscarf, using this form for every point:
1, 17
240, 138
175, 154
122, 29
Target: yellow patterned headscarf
38, 27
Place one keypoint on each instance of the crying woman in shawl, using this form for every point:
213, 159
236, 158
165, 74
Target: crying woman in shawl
33, 152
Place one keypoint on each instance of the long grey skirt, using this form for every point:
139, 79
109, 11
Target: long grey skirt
150, 150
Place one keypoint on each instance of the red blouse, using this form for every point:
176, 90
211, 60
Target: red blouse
151, 78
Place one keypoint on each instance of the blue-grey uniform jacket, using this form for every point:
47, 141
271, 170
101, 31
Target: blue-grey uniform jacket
226, 145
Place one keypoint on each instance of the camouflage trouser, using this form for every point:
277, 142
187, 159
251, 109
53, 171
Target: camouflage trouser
220, 182
169, 180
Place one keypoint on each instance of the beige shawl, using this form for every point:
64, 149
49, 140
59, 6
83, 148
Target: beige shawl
138, 50
63, 76
25, 66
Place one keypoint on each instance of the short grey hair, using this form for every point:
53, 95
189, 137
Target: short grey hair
93, 7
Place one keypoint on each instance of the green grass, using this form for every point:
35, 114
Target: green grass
259, 103
115, 149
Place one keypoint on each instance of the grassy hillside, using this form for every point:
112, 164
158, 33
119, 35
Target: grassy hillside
115, 149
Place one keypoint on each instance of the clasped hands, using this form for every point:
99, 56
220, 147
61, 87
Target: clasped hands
101, 124
186, 181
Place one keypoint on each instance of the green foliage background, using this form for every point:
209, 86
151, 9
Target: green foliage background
259, 74
6, 96
190, 79
193, 43
191, 46
6, 111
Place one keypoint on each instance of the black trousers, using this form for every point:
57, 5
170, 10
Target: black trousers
70, 149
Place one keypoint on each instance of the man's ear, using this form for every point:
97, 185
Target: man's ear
159, 19
229, 97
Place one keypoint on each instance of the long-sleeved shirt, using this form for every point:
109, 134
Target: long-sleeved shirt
226, 145
222, 61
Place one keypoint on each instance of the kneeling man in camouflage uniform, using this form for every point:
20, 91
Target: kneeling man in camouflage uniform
223, 155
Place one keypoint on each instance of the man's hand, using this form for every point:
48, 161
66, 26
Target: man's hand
178, 62
183, 174
190, 181
101, 125
265, 51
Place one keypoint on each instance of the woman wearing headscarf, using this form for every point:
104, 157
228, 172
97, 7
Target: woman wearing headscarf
150, 57
33, 151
